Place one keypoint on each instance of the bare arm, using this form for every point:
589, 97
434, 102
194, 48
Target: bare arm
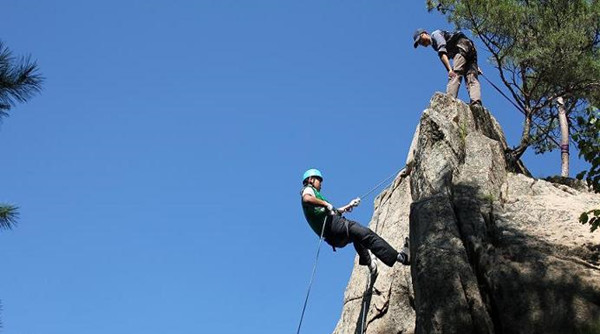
446, 62
306, 198
346, 208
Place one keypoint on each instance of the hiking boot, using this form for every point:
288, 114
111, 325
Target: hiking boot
404, 255
476, 105
373, 267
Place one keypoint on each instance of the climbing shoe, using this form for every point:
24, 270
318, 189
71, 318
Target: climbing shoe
404, 255
476, 105
373, 267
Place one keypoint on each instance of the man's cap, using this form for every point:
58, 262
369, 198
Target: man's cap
417, 36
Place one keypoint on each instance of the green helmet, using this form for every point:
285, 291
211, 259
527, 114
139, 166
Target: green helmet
311, 172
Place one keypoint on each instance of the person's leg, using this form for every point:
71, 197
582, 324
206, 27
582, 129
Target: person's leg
472, 80
470, 69
364, 258
364, 238
458, 67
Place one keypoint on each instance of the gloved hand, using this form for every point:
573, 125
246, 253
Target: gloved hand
332, 211
452, 74
355, 202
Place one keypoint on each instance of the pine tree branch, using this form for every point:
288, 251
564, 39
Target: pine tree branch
8, 216
19, 79
488, 42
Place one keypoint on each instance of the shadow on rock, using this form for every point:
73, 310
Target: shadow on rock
361, 323
475, 273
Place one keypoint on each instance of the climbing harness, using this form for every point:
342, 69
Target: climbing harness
314, 270
312, 277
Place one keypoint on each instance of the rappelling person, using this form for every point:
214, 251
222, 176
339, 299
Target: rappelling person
461, 50
339, 231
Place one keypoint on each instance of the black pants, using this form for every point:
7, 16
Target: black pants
340, 231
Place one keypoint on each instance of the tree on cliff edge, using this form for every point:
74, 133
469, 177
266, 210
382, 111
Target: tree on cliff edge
547, 53
19, 81
588, 143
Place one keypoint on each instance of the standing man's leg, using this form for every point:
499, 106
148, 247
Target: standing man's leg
471, 69
458, 66
472, 80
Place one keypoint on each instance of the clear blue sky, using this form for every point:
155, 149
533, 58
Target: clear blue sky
158, 174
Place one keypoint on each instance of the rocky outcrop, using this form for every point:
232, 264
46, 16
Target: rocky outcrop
493, 251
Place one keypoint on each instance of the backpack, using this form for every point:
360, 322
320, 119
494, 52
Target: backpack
453, 38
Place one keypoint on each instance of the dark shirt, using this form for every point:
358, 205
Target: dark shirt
446, 42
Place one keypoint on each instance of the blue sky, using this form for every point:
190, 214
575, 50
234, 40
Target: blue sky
158, 173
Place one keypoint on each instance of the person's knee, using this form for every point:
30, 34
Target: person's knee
473, 83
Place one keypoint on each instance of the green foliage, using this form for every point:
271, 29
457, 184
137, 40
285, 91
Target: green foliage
489, 198
587, 138
542, 50
8, 216
590, 328
462, 132
19, 79
592, 218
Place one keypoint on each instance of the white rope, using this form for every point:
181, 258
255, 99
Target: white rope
380, 183
313, 275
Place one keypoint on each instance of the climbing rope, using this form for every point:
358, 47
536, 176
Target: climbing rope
312, 277
502, 93
516, 106
363, 317
382, 182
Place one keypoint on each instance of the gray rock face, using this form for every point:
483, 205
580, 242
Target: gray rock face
492, 251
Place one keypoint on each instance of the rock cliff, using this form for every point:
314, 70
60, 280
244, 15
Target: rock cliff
493, 251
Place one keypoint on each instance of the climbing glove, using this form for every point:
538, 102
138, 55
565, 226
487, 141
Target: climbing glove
332, 211
355, 202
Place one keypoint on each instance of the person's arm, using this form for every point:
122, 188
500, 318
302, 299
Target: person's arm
307, 198
446, 63
348, 207
439, 45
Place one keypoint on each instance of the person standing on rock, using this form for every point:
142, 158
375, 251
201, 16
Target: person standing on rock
461, 50
338, 231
